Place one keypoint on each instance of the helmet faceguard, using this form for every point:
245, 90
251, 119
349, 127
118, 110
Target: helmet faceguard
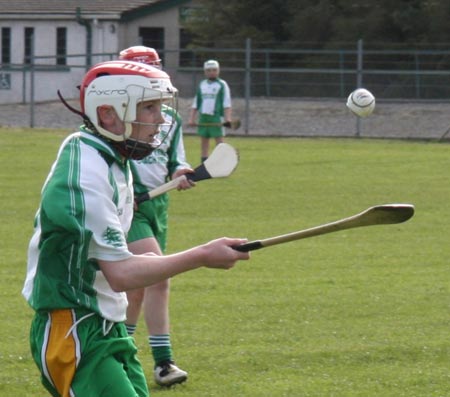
141, 54
123, 85
136, 149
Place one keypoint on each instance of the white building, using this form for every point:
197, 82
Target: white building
47, 45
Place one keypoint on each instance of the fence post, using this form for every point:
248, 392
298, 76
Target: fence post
267, 59
359, 79
341, 74
24, 84
32, 60
417, 67
248, 49
194, 73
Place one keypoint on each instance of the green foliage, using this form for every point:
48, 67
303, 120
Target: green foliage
362, 312
323, 23
218, 24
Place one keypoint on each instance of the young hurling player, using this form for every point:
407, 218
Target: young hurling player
78, 262
148, 232
212, 106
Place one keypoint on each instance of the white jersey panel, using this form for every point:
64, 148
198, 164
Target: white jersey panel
153, 170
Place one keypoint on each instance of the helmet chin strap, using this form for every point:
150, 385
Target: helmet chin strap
134, 148
85, 118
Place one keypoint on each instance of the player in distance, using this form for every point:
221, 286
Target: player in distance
212, 107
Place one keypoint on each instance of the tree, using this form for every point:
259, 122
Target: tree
227, 23
322, 23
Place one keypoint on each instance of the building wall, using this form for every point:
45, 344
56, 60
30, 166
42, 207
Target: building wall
108, 38
45, 38
48, 78
105, 39
168, 20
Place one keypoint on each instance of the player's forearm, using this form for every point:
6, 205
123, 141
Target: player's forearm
227, 114
142, 270
193, 116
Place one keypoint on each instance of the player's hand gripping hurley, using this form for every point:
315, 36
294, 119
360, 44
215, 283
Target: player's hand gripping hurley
377, 215
220, 164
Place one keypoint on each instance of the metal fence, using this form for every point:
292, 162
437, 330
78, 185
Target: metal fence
420, 74
390, 73
254, 72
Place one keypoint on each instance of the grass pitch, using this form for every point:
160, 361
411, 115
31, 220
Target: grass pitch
363, 312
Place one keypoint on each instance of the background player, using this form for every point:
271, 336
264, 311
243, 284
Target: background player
78, 260
212, 105
148, 232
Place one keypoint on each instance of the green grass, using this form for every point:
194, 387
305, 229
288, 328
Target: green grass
363, 312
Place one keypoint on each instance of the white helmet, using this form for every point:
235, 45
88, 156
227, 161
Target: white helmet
122, 85
141, 54
211, 64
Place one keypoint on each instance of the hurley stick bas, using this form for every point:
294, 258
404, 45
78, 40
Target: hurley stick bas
377, 215
221, 163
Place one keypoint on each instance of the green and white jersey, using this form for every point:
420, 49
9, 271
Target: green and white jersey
86, 209
212, 97
155, 169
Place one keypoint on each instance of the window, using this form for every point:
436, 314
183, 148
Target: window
29, 44
154, 38
187, 58
6, 46
61, 46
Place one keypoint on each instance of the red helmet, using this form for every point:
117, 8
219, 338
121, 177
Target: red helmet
123, 85
141, 54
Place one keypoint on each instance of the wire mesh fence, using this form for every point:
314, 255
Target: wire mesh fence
272, 87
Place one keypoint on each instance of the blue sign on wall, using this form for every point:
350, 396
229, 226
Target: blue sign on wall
5, 81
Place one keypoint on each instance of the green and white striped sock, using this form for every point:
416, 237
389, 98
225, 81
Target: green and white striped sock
161, 348
131, 329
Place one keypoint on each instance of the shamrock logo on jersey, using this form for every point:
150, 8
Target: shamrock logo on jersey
113, 237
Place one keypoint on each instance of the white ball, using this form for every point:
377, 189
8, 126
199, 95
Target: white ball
361, 102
